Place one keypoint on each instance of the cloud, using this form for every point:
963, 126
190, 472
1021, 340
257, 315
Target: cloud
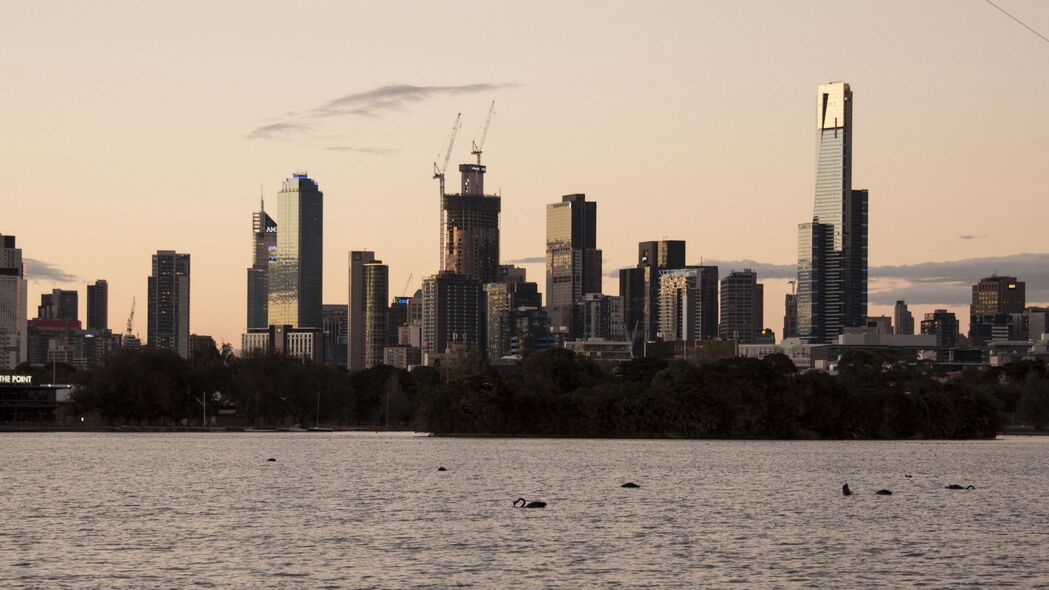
971, 237
528, 260
362, 150
370, 103
38, 270
765, 270
282, 131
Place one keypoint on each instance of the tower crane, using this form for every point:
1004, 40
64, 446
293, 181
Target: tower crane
438, 172
406, 285
479, 147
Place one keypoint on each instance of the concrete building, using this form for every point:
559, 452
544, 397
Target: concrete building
201, 344
59, 304
14, 300
688, 303
639, 286
168, 305
602, 317
902, 319
882, 324
832, 250
470, 228
305, 343
376, 329
994, 299
602, 350
355, 315
943, 325
742, 307
401, 356
790, 315
452, 314
296, 276
263, 251
98, 305
573, 262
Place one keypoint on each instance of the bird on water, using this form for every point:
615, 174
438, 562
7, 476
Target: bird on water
955, 486
883, 492
442, 469
845, 491
630, 484
532, 504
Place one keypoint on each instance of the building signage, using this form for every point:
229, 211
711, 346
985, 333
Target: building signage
16, 379
403, 300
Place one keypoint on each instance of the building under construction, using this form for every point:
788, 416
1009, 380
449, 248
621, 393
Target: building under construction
470, 226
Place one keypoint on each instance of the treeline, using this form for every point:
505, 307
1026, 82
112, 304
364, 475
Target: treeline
556, 393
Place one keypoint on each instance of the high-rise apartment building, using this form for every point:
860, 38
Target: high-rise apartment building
790, 315
994, 299
355, 316
602, 317
14, 300
168, 313
639, 286
376, 295
688, 303
296, 276
942, 324
59, 304
263, 250
832, 250
335, 325
902, 319
470, 228
742, 307
573, 262
98, 306
453, 313
507, 301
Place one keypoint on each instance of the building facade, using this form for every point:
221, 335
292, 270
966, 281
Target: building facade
639, 286
59, 304
168, 313
742, 307
263, 250
902, 319
305, 343
688, 303
602, 317
335, 325
297, 275
832, 250
573, 262
942, 324
14, 300
994, 299
376, 328
452, 313
790, 315
355, 312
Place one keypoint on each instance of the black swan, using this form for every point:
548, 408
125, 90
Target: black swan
442, 469
955, 486
630, 484
532, 504
845, 491
883, 492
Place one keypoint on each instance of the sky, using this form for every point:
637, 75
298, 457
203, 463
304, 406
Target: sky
131, 127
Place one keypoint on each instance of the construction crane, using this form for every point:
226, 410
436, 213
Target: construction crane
131, 318
406, 285
479, 147
438, 172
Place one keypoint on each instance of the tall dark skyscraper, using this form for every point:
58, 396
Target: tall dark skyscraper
59, 304
902, 319
573, 262
297, 274
263, 250
790, 315
994, 299
832, 250
357, 309
470, 228
453, 313
639, 286
14, 300
742, 307
98, 305
168, 307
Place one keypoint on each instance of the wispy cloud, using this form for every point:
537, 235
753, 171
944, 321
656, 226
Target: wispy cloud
362, 150
970, 237
38, 270
528, 260
370, 103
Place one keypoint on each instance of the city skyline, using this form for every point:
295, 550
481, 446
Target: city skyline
910, 146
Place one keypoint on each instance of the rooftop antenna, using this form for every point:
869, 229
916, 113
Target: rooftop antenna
479, 147
262, 200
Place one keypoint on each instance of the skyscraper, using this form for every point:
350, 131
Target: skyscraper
335, 326
453, 313
832, 256
994, 299
902, 319
688, 303
376, 296
573, 262
263, 250
639, 286
790, 315
168, 314
355, 317
742, 307
14, 300
296, 276
942, 324
470, 228
98, 306
59, 304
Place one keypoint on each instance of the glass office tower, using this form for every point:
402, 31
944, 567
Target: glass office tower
573, 262
263, 249
296, 276
833, 297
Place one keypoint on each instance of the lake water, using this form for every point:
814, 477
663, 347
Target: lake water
338, 510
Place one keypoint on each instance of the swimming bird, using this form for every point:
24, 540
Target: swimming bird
907, 475
845, 491
883, 492
955, 486
532, 504
630, 484
441, 469
271, 459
